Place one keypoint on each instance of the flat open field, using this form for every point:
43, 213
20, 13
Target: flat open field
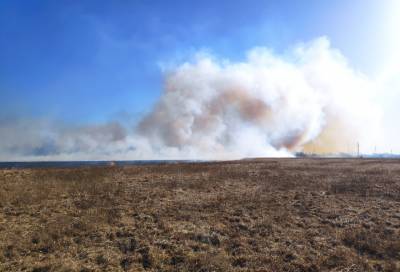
251, 215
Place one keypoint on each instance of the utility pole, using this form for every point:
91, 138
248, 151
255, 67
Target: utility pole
358, 149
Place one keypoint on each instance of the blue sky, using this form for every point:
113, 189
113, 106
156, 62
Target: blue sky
85, 61
85, 79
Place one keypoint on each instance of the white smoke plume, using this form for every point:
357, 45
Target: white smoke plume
308, 99
39, 139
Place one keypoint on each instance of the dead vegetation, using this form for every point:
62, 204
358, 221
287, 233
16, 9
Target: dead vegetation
253, 215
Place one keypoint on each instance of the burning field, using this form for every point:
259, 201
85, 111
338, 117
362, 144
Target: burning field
250, 215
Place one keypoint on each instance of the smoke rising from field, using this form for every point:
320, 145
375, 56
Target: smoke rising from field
269, 105
40, 139
306, 99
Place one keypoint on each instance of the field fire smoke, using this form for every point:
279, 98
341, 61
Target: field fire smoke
307, 99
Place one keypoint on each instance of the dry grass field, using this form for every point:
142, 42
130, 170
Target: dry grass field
251, 215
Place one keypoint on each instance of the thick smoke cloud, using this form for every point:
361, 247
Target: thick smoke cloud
269, 105
307, 99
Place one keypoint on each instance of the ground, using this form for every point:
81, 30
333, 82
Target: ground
249, 215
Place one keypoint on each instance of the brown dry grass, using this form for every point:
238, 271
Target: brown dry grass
253, 215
